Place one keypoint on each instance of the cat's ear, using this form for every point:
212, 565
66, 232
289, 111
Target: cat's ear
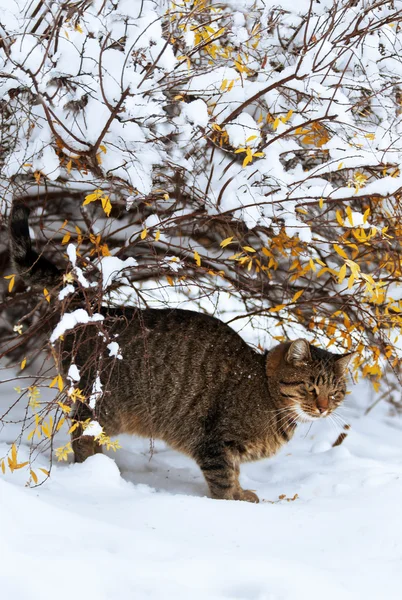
342, 363
298, 353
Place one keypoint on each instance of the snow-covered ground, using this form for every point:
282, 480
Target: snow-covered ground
129, 526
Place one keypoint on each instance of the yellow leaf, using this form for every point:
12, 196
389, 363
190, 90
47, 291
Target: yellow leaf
224, 84
349, 214
14, 454
54, 381
342, 274
45, 471
46, 431
3, 467
21, 465
46, 294
94, 196
31, 434
66, 409
354, 267
69, 166
170, 280
103, 148
339, 217
60, 384
34, 476
11, 283
276, 123
24, 362
366, 215
340, 165
66, 238
297, 295
60, 424
197, 258
370, 136
248, 249
289, 114
301, 210
252, 137
99, 158
226, 242
321, 202
144, 234
277, 308
339, 251
106, 205
351, 281
157, 236
72, 428
312, 265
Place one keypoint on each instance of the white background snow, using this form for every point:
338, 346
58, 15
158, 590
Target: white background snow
132, 525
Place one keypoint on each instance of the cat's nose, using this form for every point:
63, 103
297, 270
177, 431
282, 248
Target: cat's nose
322, 404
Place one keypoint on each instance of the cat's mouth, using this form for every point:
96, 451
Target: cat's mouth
303, 416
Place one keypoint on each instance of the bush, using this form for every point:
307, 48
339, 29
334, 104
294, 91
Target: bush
243, 161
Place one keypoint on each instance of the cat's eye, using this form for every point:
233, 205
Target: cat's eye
310, 387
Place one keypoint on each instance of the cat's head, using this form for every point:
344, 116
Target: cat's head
309, 381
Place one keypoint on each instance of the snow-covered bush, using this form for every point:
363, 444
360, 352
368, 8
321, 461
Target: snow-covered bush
242, 158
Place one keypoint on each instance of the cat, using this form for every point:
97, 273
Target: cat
189, 379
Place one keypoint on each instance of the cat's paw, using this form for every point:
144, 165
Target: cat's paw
247, 496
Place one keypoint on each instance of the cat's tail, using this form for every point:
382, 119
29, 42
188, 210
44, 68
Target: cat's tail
35, 270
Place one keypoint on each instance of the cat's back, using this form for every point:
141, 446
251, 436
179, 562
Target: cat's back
178, 337
183, 364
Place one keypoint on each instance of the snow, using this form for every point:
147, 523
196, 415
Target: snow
66, 291
357, 220
114, 350
241, 129
73, 373
72, 254
93, 428
70, 320
196, 112
138, 516
111, 267
96, 392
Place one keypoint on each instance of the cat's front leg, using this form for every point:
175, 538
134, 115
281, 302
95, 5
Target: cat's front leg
221, 471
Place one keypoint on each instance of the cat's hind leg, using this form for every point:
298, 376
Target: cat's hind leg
84, 445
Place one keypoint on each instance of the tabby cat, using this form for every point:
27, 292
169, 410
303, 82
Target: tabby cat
190, 380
